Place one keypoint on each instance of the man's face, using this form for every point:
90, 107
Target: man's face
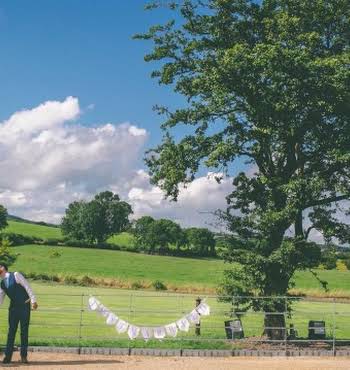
2, 271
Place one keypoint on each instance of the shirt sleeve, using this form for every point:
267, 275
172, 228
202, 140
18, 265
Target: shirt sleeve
20, 279
2, 296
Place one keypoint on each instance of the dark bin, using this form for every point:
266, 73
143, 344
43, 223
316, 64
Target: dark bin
317, 329
234, 329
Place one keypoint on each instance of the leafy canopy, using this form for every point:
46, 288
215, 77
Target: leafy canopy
266, 83
97, 220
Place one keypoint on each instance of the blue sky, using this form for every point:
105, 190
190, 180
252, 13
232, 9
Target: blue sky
50, 152
83, 48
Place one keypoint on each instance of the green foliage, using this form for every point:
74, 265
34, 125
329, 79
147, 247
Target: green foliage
159, 285
55, 254
6, 256
267, 82
329, 259
347, 263
201, 240
136, 285
97, 220
3, 217
155, 236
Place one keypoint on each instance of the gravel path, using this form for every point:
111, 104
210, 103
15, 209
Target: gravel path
72, 361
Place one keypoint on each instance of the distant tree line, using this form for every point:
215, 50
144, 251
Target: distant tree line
106, 215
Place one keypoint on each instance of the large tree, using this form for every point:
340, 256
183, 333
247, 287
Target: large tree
157, 235
268, 83
201, 240
98, 219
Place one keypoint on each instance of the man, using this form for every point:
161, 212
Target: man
22, 298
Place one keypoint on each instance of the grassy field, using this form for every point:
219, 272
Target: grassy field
58, 320
59, 316
123, 269
28, 229
47, 232
175, 272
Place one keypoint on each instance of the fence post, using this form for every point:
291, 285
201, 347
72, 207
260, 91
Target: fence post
334, 325
182, 312
81, 321
285, 325
130, 311
198, 326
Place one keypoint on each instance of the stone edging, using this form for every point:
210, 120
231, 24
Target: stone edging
186, 352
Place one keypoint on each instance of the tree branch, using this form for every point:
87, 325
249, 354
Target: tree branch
321, 202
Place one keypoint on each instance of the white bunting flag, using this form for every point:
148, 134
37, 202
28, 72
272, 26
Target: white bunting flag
121, 326
183, 324
133, 331
171, 329
193, 317
203, 309
111, 319
159, 333
93, 304
147, 333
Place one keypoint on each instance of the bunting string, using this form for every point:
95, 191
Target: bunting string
149, 332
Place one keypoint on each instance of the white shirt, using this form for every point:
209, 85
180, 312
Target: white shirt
20, 279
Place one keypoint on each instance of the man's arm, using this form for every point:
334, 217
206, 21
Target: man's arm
2, 296
20, 279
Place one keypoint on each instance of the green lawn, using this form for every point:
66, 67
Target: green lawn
27, 229
173, 271
47, 232
118, 265
58, 319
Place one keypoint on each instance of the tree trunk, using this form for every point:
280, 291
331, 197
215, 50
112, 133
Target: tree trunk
275, 326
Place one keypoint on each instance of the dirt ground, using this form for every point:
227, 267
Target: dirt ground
44, 361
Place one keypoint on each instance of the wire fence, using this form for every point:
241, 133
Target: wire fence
65, 320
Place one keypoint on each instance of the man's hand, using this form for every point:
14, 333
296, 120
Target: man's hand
34, 306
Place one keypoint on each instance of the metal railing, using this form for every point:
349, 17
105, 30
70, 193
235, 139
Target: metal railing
64, 320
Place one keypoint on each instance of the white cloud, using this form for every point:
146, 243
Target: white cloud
195, 204
48, 160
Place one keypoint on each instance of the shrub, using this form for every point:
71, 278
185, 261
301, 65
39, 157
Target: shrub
71, 280
347, 263
86, 281
159, 285
52, 241
55, 254
18, 239
329, 259
136, 285
6, 256
341, 266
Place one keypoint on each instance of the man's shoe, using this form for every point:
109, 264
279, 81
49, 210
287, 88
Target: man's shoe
6, 360
24, 359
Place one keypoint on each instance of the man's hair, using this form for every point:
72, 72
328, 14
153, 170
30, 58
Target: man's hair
4, 266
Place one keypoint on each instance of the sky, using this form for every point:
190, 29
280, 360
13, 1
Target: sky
76, 114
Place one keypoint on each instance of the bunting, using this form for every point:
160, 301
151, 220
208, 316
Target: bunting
149, 332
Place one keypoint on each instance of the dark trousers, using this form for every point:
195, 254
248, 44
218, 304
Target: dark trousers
18, 314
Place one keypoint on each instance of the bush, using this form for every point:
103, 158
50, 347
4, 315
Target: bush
52, 241
341, 266
6, 256
71, 280
86, 281
347, 263
159, 285
329, 259
136, 285
55, 254
18, 239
